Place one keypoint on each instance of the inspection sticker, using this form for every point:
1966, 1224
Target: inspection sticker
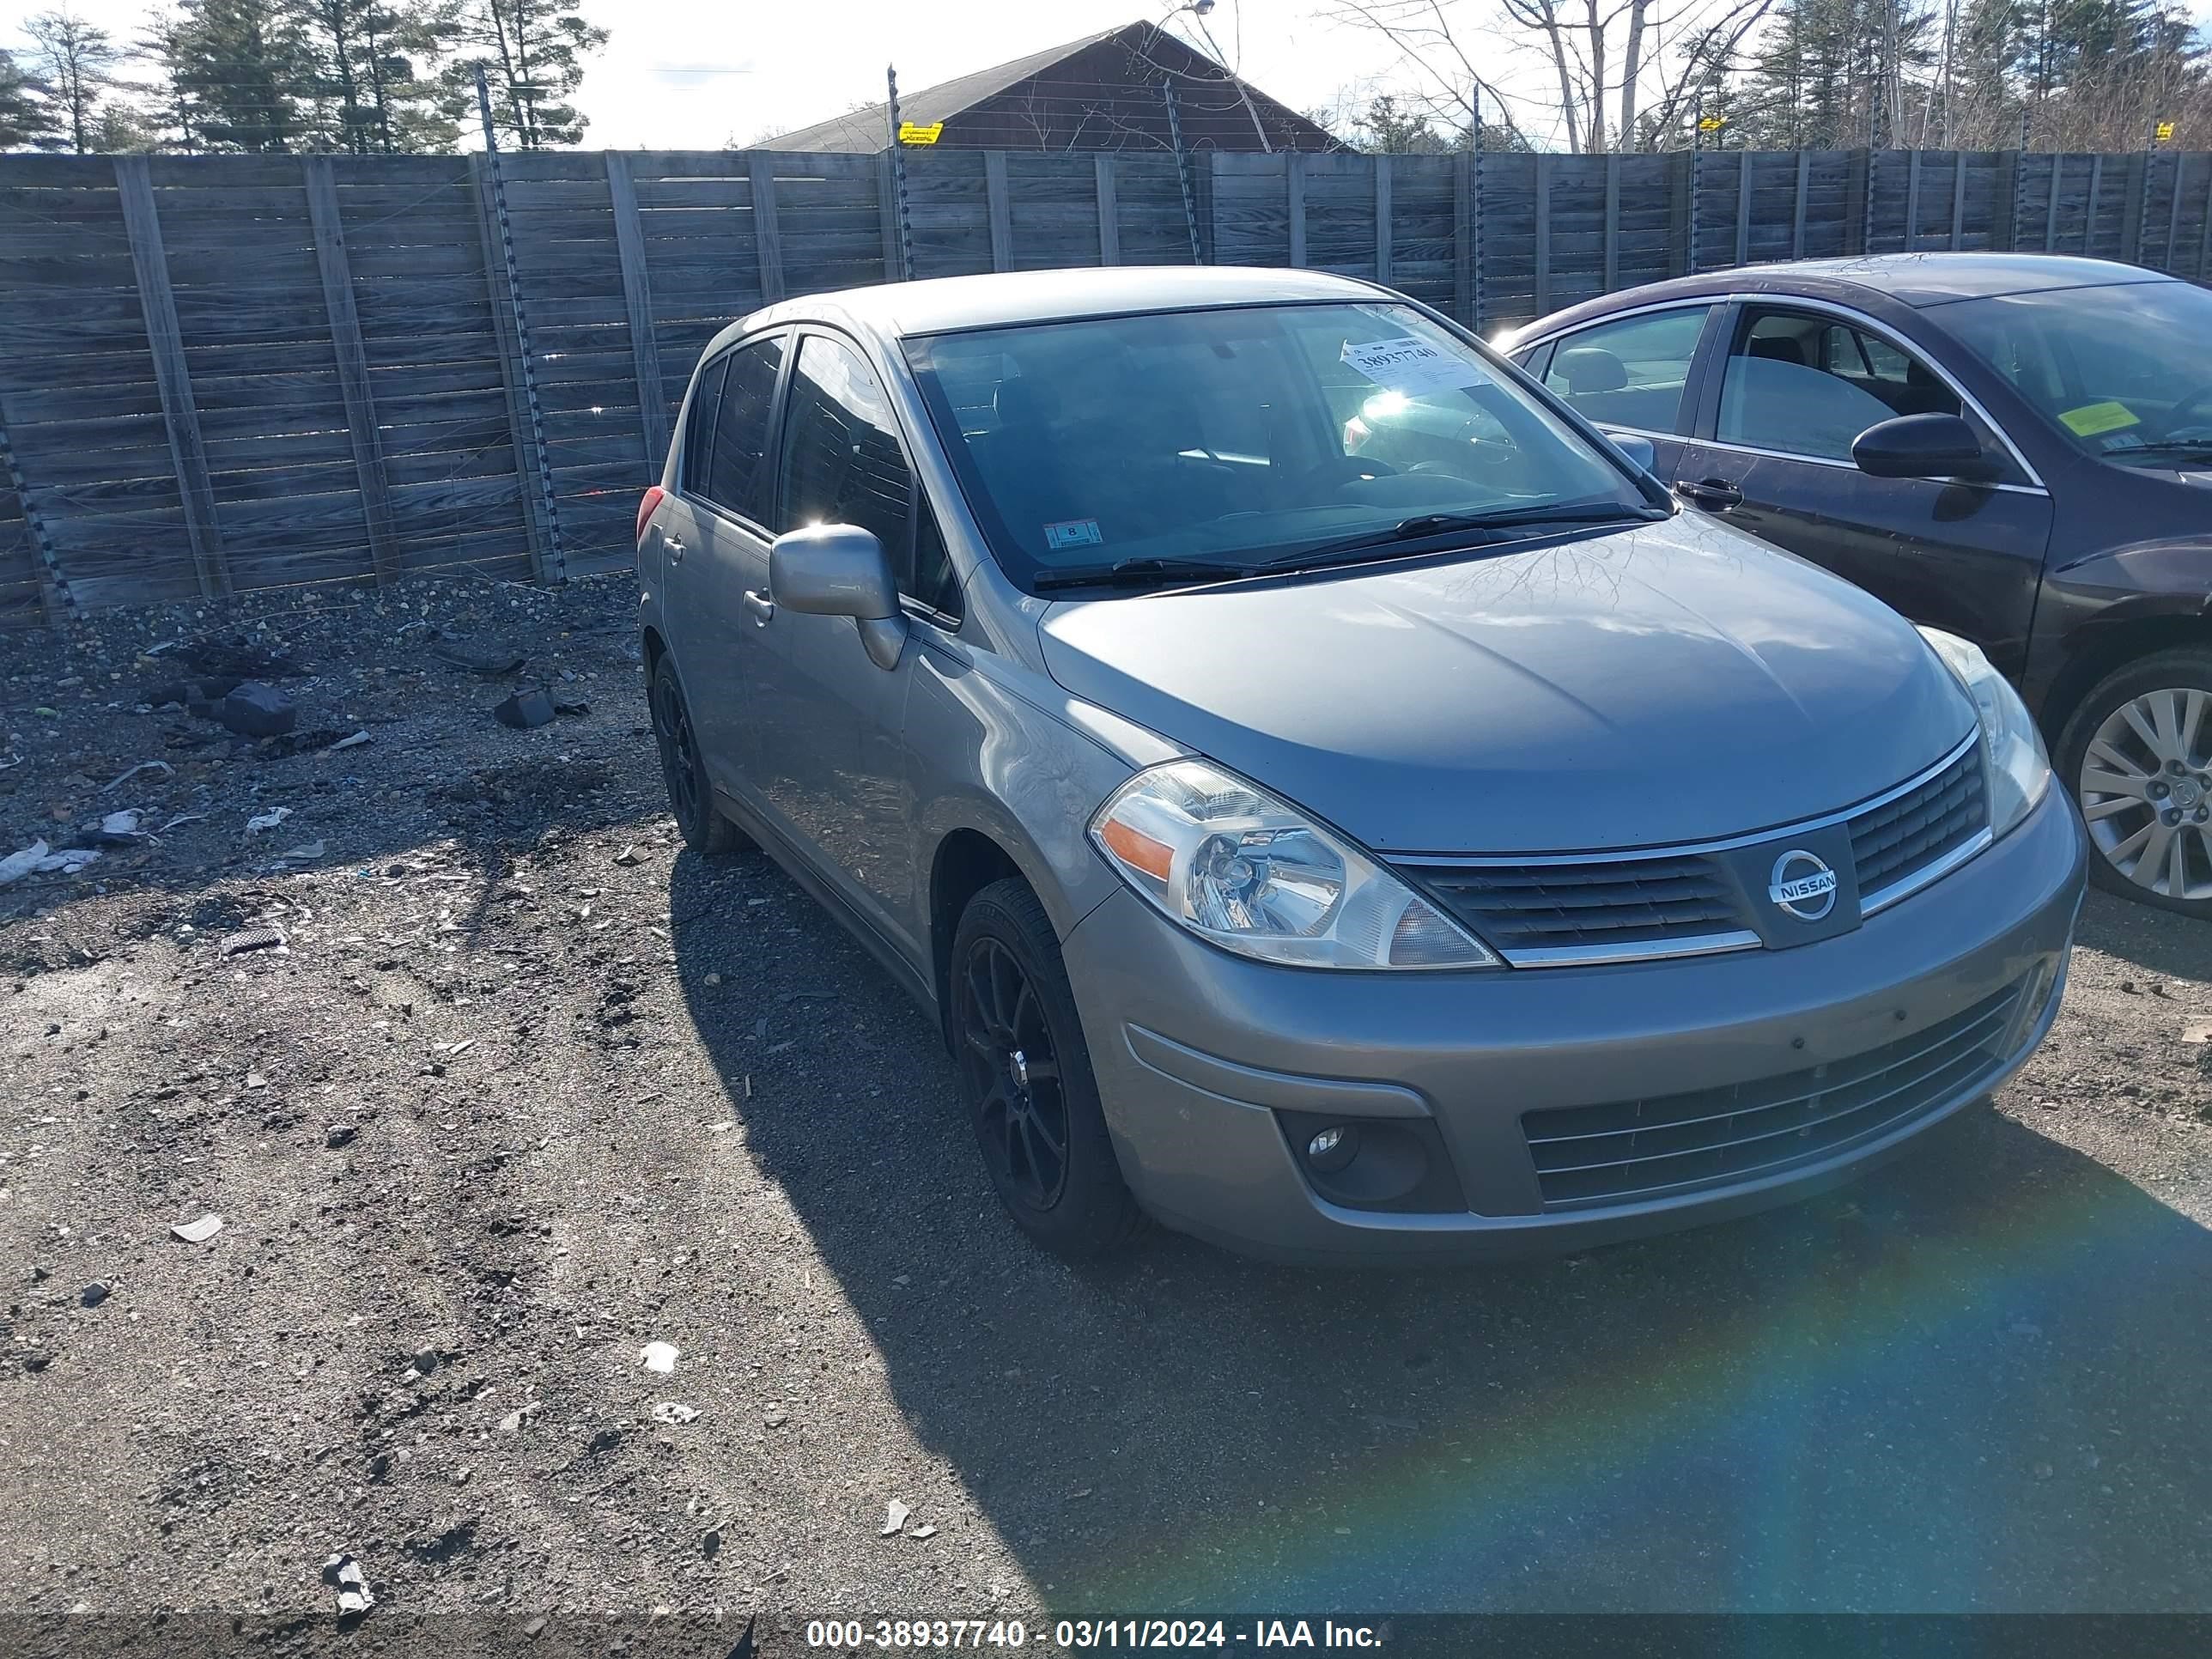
1411, 366
2091, 419
1073, 533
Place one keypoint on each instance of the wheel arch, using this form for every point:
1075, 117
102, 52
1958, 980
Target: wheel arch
2110, 644
965, 861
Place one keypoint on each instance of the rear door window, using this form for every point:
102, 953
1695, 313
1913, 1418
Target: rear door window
736, 478
1631, 371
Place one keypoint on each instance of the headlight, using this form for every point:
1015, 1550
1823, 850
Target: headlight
2013, 757
1254, 875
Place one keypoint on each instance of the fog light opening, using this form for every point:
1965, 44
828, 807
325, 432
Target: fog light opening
1372, 1163
1333, 1148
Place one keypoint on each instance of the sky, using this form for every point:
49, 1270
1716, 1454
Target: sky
704, 74
700, 73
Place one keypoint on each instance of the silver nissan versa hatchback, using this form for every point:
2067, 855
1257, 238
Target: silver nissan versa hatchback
1329, 855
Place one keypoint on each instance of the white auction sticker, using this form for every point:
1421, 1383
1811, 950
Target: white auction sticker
1411, 366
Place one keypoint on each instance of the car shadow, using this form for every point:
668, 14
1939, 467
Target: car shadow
2158, 940
1971, 1380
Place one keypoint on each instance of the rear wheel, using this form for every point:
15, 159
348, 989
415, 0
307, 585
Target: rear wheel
2137, 754
683, 770
1025, 1077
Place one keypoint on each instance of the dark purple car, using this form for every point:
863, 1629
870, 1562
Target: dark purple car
2013, 448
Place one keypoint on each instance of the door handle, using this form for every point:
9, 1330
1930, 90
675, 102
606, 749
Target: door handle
1717, 494
761, 605
675, 546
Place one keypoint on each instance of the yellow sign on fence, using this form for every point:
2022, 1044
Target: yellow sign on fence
1712, 123
2164, 131
913, 133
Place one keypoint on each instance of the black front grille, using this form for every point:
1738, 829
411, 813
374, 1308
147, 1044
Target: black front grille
1626, 901
1891, 840
1640, 1149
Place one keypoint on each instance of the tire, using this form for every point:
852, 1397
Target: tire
1009, 993
2122, 858
683, 770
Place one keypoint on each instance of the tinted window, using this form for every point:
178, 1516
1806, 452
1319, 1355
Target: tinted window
1809, 384
699, 429
736, 477
2122, 370
843, 464
1629, 372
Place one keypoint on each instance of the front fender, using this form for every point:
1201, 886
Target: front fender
992, 754
2089, 605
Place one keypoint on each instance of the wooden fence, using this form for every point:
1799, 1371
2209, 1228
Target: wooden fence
234, 373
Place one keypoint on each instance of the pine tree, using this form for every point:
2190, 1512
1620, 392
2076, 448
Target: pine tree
27, 119
370, 84
532, 57
1388, 130
241, 69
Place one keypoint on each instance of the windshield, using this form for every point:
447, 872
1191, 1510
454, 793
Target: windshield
2125, 372
1235, 436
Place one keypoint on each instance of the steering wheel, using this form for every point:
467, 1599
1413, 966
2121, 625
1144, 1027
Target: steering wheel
1344, 470
2201, 395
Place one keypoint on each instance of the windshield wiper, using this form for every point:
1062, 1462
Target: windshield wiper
1141, 573
1441, 524
2191, 448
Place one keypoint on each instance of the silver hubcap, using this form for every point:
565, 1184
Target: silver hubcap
2146, 791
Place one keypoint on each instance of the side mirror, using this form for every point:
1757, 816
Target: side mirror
840, 570
1638, 449
1921, 446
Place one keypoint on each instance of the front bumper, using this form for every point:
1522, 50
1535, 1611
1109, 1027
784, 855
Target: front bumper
1197, 1051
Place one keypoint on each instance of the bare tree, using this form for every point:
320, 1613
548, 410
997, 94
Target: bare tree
1602, 56
77, 62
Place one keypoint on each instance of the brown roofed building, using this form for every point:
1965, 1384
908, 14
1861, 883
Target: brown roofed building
1103, 92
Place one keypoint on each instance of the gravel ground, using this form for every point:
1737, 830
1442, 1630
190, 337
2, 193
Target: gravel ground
529, 1088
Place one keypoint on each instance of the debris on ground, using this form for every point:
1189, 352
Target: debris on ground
268, 820
525, 709
67, 862
237, 658
122, 829
353, 742
93, 1294
16, 866
343, 1574
894, 1516
161, 766
251, 939
306, 852
199, 1232
491, 661
671, 1411
658, 1356
256, 710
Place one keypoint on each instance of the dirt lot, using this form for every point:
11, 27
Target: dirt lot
527, 1088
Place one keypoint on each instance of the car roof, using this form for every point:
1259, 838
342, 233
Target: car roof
941, 304
1935, 279
1917, 280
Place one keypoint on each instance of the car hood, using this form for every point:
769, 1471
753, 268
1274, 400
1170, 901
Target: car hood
1667, 683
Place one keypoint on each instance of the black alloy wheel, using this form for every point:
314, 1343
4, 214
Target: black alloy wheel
1013, 1076
691, 797
1025, 1077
